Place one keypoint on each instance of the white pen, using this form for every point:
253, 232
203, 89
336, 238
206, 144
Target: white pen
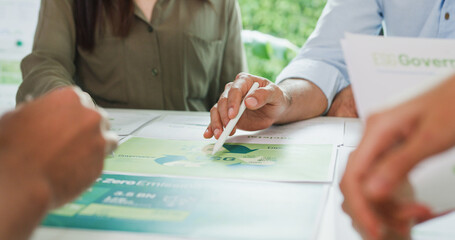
233, 122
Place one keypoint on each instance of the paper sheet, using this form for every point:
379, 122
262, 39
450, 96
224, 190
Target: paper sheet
199, 209
322, 130
342, 221
177, 126
124, 122
269, 162
387, 70
434, 182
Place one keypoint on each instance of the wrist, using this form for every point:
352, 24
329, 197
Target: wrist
303, 99
286, 103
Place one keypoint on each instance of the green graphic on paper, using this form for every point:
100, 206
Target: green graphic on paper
10, 72
247, 161
199, 209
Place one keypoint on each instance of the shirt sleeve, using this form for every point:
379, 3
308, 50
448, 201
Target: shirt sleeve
321, 59
51, 63
234, 59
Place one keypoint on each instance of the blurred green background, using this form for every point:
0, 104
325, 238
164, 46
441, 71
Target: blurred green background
268, 50
293, 20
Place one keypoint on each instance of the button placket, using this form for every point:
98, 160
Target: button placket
155, 72
446, 26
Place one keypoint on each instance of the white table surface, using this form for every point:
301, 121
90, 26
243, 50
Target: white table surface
335, 224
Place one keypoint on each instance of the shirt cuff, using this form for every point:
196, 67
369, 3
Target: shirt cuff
323, 75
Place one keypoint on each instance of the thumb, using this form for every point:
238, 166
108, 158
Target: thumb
416, 212
261, 97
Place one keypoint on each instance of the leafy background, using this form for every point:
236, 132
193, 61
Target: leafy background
289, 19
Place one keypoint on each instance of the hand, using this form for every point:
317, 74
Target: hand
344, 105
76, 136
396, 215
264, 106
394, 142
51, 150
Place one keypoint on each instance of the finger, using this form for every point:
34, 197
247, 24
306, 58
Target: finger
105, 124
221, 105
262, 96
88, 101
222, 110
394, 167
361, 232
208, 132
399, 232
110, 136
215, 123
236, 93
382, 132
396, 227
358, 208
111, 141
85, 98
414, 212
240, 89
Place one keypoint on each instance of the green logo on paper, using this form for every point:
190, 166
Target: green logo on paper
405, 60
240, 149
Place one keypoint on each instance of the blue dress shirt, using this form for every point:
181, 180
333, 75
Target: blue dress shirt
321, 59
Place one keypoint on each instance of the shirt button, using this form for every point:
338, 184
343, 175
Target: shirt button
150, 28
447, 16
155, 72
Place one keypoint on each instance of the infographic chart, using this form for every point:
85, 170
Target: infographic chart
199, 209
272, 162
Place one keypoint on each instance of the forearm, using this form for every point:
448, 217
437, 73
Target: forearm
305, 99
24, 200
52, 62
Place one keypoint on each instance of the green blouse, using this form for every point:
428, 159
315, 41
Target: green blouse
181, 60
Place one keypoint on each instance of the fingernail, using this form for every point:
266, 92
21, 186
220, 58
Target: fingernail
231, 113
206, 130
217, 131
251, 101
